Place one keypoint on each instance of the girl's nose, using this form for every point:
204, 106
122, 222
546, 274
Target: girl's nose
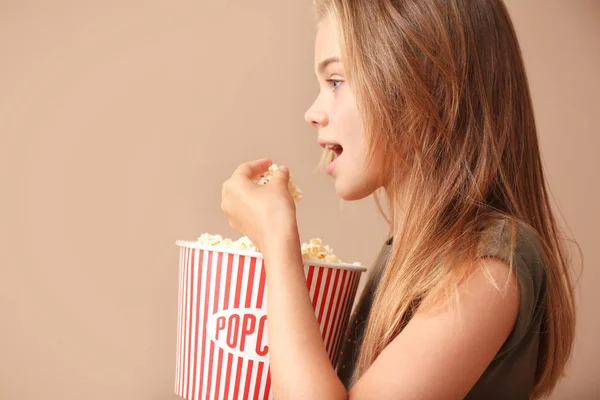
316, 117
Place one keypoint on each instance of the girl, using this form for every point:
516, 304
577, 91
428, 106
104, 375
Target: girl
425, 102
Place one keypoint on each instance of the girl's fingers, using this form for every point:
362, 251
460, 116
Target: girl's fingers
281, 175
251, 169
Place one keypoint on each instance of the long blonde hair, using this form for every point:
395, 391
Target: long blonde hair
441, 88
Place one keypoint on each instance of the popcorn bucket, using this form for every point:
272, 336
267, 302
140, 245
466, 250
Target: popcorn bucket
222, 338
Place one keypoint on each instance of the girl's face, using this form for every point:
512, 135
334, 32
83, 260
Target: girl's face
335, 115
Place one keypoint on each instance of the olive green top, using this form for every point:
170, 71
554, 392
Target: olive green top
511, 374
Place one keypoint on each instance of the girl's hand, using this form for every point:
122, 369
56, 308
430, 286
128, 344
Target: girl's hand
259, 211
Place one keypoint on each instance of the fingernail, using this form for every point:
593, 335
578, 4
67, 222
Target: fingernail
283, 168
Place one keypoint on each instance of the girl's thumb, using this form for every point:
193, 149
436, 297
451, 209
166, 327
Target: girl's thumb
281, 174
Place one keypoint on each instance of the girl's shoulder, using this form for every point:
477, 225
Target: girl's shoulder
518, 245
515, 242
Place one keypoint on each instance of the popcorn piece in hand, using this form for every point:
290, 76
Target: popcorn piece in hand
294, 190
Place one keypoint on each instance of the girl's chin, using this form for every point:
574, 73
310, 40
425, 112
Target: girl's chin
348, 192
352, 190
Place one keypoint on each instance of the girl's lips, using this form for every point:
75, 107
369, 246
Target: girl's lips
331, 165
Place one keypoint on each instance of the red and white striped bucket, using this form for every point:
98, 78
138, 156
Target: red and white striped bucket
222, 339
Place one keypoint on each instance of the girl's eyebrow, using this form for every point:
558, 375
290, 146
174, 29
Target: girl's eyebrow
326, 62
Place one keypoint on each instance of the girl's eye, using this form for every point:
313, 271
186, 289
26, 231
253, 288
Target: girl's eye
333, 83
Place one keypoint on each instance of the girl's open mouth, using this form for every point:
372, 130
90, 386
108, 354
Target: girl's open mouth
332, 152
335, 148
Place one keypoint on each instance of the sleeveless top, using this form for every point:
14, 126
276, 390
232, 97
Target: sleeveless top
511, 373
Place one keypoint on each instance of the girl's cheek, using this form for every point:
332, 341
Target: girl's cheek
342, 117
334, 112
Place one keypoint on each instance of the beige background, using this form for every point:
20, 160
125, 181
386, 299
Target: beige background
119, 120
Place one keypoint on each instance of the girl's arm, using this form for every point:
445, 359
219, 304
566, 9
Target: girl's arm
445, 349
300, 366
